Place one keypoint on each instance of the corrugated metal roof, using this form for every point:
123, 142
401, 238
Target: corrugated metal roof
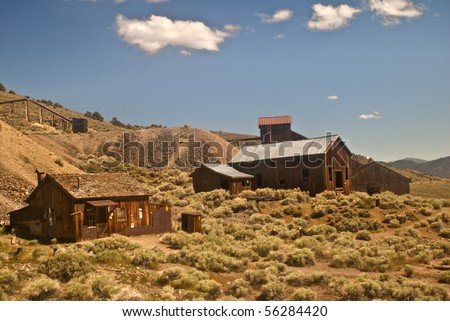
278, 120
227, 171
313, 146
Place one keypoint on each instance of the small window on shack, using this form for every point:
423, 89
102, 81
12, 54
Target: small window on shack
305, 175
121, 214
330, 173
90, 218
246, 183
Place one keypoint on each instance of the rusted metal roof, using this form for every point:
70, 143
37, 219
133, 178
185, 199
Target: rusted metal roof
227, 171
278, 120
95, 186
102, 203
313, 146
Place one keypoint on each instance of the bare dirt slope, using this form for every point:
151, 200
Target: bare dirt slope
20, 156
72, 146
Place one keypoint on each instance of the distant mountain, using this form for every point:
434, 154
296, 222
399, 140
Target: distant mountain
438, 167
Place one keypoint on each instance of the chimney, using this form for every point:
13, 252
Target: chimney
40, 176
78, 181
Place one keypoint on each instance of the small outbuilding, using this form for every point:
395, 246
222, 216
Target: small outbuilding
80, 207
375, 178
209, 177
191, 222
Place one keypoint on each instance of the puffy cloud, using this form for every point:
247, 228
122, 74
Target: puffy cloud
279, 16
157, 1
279, 36
119, 1
392, 11
374, 115
327, 17
157, 32
333, 97
232, 28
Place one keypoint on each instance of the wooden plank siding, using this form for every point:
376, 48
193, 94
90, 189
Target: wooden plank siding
376, 178
205, 180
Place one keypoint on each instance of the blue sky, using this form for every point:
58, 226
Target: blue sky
376, 72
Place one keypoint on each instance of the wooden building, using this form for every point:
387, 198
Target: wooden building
79, 207
209, 177
313, 165
277, 129
79, 125
373, 177
191, 222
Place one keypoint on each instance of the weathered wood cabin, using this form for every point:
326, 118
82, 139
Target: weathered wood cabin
277, 129
375, 178
313, 165
209, 177
80, 207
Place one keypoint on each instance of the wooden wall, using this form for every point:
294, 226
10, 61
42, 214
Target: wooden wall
338, 158
61, 224
375, 178
205, 180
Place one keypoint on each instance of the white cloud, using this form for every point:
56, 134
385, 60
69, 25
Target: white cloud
392, 11
327, 17
333, 97
281, 15
185, 52
232, 28
279, 36
374, 115
157, 1
119, 1
157, 32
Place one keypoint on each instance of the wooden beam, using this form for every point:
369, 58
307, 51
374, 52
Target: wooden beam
12, 101
40, 115
50, 110
27, 114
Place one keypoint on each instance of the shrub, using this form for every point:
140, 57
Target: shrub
169, 275
42, 289
264, 245
347, 258
374, 264
209, 260
426, 211
408, 271
102, 287
2, 87
3, 296
300, 257
211, 288
304, 294
66, 265
240, 204
7, 278
127, 293
364, 235
445, 233
299, 280
239, 288
257, 278
148, 258
114, 242
444, 277
76, 291
322, 210
273, 291
310, 242
108, 256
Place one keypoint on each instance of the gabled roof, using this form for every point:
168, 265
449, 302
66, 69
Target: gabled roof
278, 120
226, 170
97, 186
367, 166
312, 146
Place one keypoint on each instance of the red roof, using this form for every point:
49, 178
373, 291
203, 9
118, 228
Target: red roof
278, 120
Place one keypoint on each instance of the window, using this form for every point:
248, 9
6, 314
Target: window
246, 183
121, 214
305, 175
50, 216
346, 173
330, 174
90, 218
141, 214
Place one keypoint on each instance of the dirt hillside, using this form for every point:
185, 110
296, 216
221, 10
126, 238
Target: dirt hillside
20, 157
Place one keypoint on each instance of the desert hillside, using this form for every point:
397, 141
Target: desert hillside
21, 156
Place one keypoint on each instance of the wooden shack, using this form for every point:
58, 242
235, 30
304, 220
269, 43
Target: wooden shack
191, 222
209, 177
277, 129
375, 178
79, 125
313, 165
80, 207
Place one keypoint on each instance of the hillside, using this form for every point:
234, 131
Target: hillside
20, 157
438, 167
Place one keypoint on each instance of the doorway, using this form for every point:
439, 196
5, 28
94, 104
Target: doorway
339, 179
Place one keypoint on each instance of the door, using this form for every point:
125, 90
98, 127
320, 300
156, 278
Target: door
224, 184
